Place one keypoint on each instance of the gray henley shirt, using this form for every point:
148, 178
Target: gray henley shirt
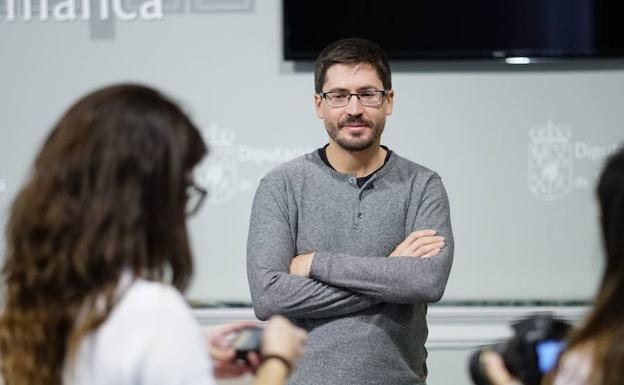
365, 312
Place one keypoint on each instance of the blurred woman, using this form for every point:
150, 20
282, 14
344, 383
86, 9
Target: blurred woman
98, 253
595, 352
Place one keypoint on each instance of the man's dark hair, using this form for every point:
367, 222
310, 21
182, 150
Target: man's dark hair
352, 51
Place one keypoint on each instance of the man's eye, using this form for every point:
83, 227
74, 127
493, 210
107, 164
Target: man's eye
339, 96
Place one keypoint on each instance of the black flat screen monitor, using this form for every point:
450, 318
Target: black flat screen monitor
459, 29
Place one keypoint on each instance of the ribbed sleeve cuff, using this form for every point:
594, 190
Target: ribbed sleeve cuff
321, 266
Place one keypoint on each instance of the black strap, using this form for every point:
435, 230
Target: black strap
279, 358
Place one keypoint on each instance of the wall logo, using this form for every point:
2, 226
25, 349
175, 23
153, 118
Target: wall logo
219, 172
231, 168
555, 162
550, 161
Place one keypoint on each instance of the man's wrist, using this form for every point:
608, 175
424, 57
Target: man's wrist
302, 264
307, 263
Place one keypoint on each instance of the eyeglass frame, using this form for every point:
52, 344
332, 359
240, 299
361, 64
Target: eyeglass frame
202, 194
383, 93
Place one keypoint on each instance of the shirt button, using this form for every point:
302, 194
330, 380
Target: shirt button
352, 180
359, 215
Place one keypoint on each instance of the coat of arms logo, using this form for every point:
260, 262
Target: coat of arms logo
550, 161
219, 173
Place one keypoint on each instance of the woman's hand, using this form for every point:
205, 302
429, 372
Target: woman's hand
495, 369
282, 339
222, 353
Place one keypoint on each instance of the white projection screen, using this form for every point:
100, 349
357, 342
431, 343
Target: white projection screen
519, 150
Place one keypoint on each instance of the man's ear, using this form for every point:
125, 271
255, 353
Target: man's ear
318, 106
389, 102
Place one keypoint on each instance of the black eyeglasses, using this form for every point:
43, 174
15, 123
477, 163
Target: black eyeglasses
195, 197
369, 98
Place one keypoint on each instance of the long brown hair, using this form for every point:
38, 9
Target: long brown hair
106, 195
603, 330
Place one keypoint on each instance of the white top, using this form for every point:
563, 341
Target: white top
575, 367
150, 337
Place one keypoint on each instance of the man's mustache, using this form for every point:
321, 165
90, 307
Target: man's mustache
354, 120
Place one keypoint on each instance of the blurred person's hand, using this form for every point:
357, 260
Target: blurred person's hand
283, 339
222, 353
496, 371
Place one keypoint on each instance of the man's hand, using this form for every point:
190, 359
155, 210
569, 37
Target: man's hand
422, 243
300, 265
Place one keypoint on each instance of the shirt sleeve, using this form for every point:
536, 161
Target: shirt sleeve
270, 247
398, 279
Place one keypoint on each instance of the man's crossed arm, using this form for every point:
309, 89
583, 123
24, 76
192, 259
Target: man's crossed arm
326, 284
422, 243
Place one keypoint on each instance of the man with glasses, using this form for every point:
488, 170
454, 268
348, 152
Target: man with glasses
352, 241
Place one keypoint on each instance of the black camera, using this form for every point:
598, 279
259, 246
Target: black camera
245, 341
530, 353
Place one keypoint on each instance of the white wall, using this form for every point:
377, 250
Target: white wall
468, 122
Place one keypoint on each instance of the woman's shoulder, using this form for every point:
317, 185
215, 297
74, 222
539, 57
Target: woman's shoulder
151, 293
156, 300
150, 334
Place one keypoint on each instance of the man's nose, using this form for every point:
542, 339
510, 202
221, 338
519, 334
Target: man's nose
354, 107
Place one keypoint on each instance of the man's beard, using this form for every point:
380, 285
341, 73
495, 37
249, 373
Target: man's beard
351, 143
